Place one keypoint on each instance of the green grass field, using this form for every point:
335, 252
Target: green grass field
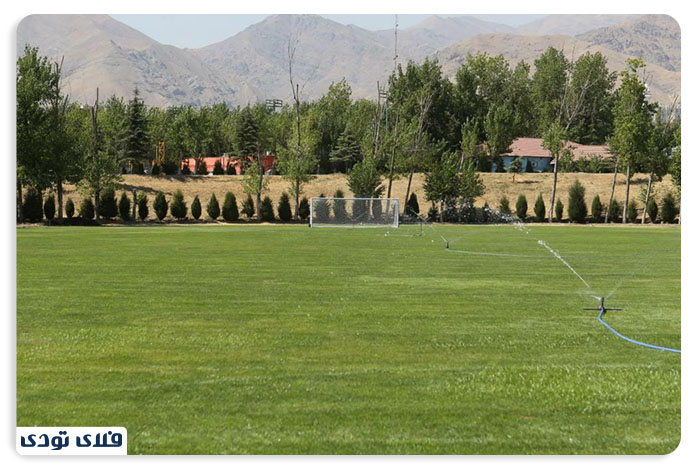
284, 339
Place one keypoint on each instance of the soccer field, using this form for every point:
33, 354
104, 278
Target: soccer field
285, 339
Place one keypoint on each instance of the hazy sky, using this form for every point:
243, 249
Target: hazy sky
200, 30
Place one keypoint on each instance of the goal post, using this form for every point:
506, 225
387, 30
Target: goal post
353, 212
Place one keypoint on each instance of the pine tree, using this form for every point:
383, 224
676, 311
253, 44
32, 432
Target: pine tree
632, 212
347, 152
614, 211
668, 210
504, 205
322, 209
559, 210
284, 209
339, 207
540, 209
521, 207
201, 167
248, 208
246, 136
87, 209
304, 209
412, 205
652, 210
138, 140
70, 208
178, 207
124, 207
161, 206
108, 207
213, 208
217, 169
597, 209
156, 169
143, 209
267, 210
577, 208
196, 208
49, 208
230, 213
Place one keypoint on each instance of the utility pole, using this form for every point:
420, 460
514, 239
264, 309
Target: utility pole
396, 124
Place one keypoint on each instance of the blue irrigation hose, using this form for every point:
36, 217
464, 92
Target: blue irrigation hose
639, 343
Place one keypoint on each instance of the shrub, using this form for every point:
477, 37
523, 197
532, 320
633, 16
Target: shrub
597, 209
540, 209
485, 212
231, 170
267, 209
248, 207
49, 207
31, 208
196, 208
108, 207
284, 210
577, 208
321, 209
652, 210
412, 208
213, 208
559, 211
669, 208
339, 207
169, 168
614, 211
161, 206
178, 207
632, 211
521, 207
155, 169
124, 206
201, 168
433, 213
69, 208
138, 168
143, 210
87, 209
217, 170
230, 213
186, 170
504, 206
303, 210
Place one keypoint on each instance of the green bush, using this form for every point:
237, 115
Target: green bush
248, 209
539, 209
652, 210
201, 168
322, 209
156, 169
170, 168
303, 210
213, 208
143, 209
178, 208
49, 207
559, 211
284, 210
577, 208
669, 208
412, 207
231, 169
230, 213
138, 168
433, 214
339, 207
615, 211
31, 208
632, 211
196, 208
504, 205
108, 208
186, 170
217, 170
87, 209
267, 210
521, 207
597, 209
161, 206
69, 208
124, 206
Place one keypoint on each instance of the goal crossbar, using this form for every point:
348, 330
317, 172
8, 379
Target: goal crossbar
353, 212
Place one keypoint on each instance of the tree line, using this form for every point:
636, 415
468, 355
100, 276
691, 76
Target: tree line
420, 121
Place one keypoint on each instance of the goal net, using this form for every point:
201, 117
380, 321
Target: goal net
354, 212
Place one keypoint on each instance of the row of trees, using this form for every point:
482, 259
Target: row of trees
420, 122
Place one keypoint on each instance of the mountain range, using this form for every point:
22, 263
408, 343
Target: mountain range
252, 65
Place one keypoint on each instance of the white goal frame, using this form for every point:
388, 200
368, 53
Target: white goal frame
392, 212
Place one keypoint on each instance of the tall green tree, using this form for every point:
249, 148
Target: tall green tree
138, 139
548, 87
632, 117
554, 142
500, 131
447, 185
296, 164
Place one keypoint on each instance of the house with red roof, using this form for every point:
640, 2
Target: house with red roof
534, 155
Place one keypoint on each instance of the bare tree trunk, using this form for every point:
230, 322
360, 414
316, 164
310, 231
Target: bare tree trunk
59, 192
628, 189
613, 186
408, 186
553, 188
20, 215
647, 198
